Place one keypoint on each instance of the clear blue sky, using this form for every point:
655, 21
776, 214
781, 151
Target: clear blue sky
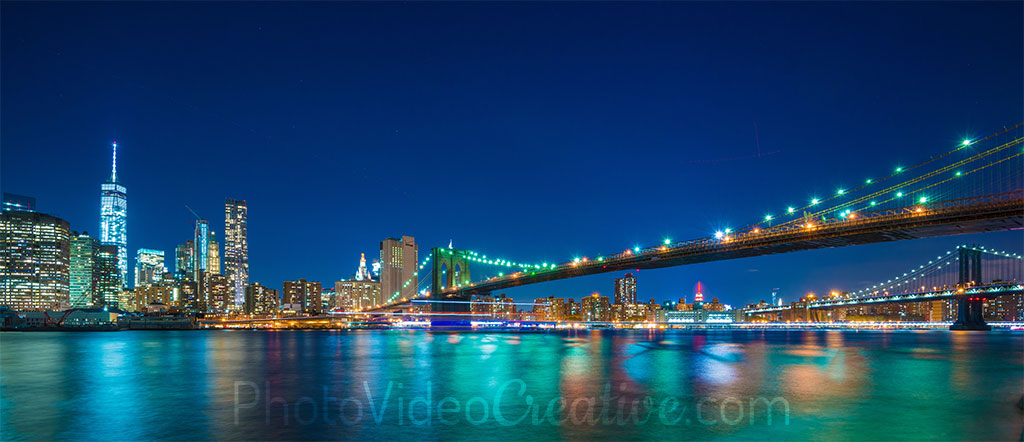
534, 131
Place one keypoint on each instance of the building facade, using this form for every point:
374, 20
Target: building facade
35, 261
260, 300
84, 251
183, 261
625, 290
149, 267
114, 219
398, 274
236, 246
108, 277
596, 308
357, 295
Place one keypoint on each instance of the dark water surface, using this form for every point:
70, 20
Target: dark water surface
838, 385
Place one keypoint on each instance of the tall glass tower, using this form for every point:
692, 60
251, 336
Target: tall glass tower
236, 246
114, 219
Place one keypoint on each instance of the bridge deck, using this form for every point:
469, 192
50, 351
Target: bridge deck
972, 215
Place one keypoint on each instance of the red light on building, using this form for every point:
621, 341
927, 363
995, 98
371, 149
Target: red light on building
699, 297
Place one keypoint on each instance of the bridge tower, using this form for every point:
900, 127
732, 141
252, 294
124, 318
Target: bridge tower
969, 308
450, 268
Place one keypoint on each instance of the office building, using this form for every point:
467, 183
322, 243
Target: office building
183, 261
236, 246
149, 267
18, 202
114, 219
213, 260
625, 290
108, 277
35, 261
84, 251
201, 249
398, 268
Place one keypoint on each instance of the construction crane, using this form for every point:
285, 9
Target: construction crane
193, 213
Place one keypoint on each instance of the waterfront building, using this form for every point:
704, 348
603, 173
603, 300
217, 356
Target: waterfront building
149, 267
596, 308
17, 202
35, 261
573, 310
481, 305
625, 290
398, 272
108, 277
114, 219
549, 309
699, 316
183, 260
83, 273
260, 300
151, 294
357, 295
633, 312
305, 294
504, 307
714, 306
236, 246
221, 293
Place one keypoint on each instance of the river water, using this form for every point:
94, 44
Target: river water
610, 385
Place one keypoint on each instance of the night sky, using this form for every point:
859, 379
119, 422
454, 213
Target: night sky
534, 132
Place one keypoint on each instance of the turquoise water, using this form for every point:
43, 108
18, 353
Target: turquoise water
613, 385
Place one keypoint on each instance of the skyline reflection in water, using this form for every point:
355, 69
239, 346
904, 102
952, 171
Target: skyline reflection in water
550, 386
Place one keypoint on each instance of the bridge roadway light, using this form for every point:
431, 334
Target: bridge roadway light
790, 209
719, 234
967, 142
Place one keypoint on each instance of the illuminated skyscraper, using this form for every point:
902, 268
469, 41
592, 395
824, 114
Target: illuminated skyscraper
84, 251
114, 219
699, 297
625, 290
35, 256
108, 281
236, 247
213, 260
201, 244
183, 261
398, 267
362, 274
149, 267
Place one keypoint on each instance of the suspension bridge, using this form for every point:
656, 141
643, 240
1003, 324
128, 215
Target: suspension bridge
967, 275
973, 187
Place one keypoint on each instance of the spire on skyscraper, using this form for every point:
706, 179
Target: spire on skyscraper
113, 169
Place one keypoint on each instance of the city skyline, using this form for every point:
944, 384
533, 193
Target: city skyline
735, 166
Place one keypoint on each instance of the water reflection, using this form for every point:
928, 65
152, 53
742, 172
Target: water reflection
572, 385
